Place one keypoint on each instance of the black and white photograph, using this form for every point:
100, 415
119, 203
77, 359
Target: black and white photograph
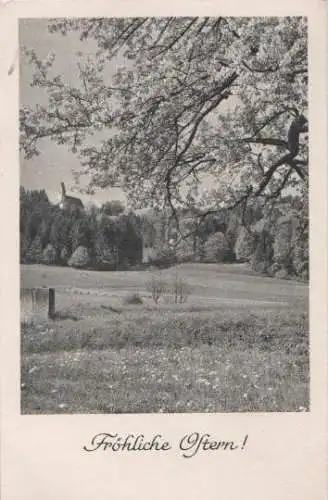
164, 215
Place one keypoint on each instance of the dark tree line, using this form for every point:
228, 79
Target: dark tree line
106, 238
95, 238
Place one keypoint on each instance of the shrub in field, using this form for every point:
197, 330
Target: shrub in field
34, 254
156, 287
282, 274
65, 314
106, 258
260, 266
49, 255
164, 257
273, 269
132, 298
181, 290
80, 258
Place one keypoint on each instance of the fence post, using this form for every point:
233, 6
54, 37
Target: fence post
51, 309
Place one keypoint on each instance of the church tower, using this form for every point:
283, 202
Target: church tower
69, 202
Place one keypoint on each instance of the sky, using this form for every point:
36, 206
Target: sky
55, 163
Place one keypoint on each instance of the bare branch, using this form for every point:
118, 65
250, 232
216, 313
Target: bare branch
265, 141
272, 69
183, 32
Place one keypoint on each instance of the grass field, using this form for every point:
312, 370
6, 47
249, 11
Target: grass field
239, 344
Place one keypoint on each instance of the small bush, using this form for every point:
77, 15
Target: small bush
181, 290
273, 269
156, 287
132, 298
80, 258
35, 252
282, 274
49, 255
163, 258
260, 266
63, 315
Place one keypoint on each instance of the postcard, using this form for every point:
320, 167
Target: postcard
164, 255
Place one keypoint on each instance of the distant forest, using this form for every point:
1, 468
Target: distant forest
110, 238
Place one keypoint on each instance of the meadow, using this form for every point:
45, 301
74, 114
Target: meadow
239, 343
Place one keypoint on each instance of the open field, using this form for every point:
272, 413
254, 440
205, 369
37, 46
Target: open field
240, 343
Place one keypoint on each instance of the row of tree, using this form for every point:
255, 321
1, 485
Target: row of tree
274, 246
92, 238
97, 239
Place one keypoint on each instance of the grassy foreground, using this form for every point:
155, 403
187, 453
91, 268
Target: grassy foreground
170, 358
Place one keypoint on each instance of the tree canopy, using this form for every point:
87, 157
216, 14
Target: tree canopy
193, 102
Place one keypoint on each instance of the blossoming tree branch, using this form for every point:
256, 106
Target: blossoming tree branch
215, 102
